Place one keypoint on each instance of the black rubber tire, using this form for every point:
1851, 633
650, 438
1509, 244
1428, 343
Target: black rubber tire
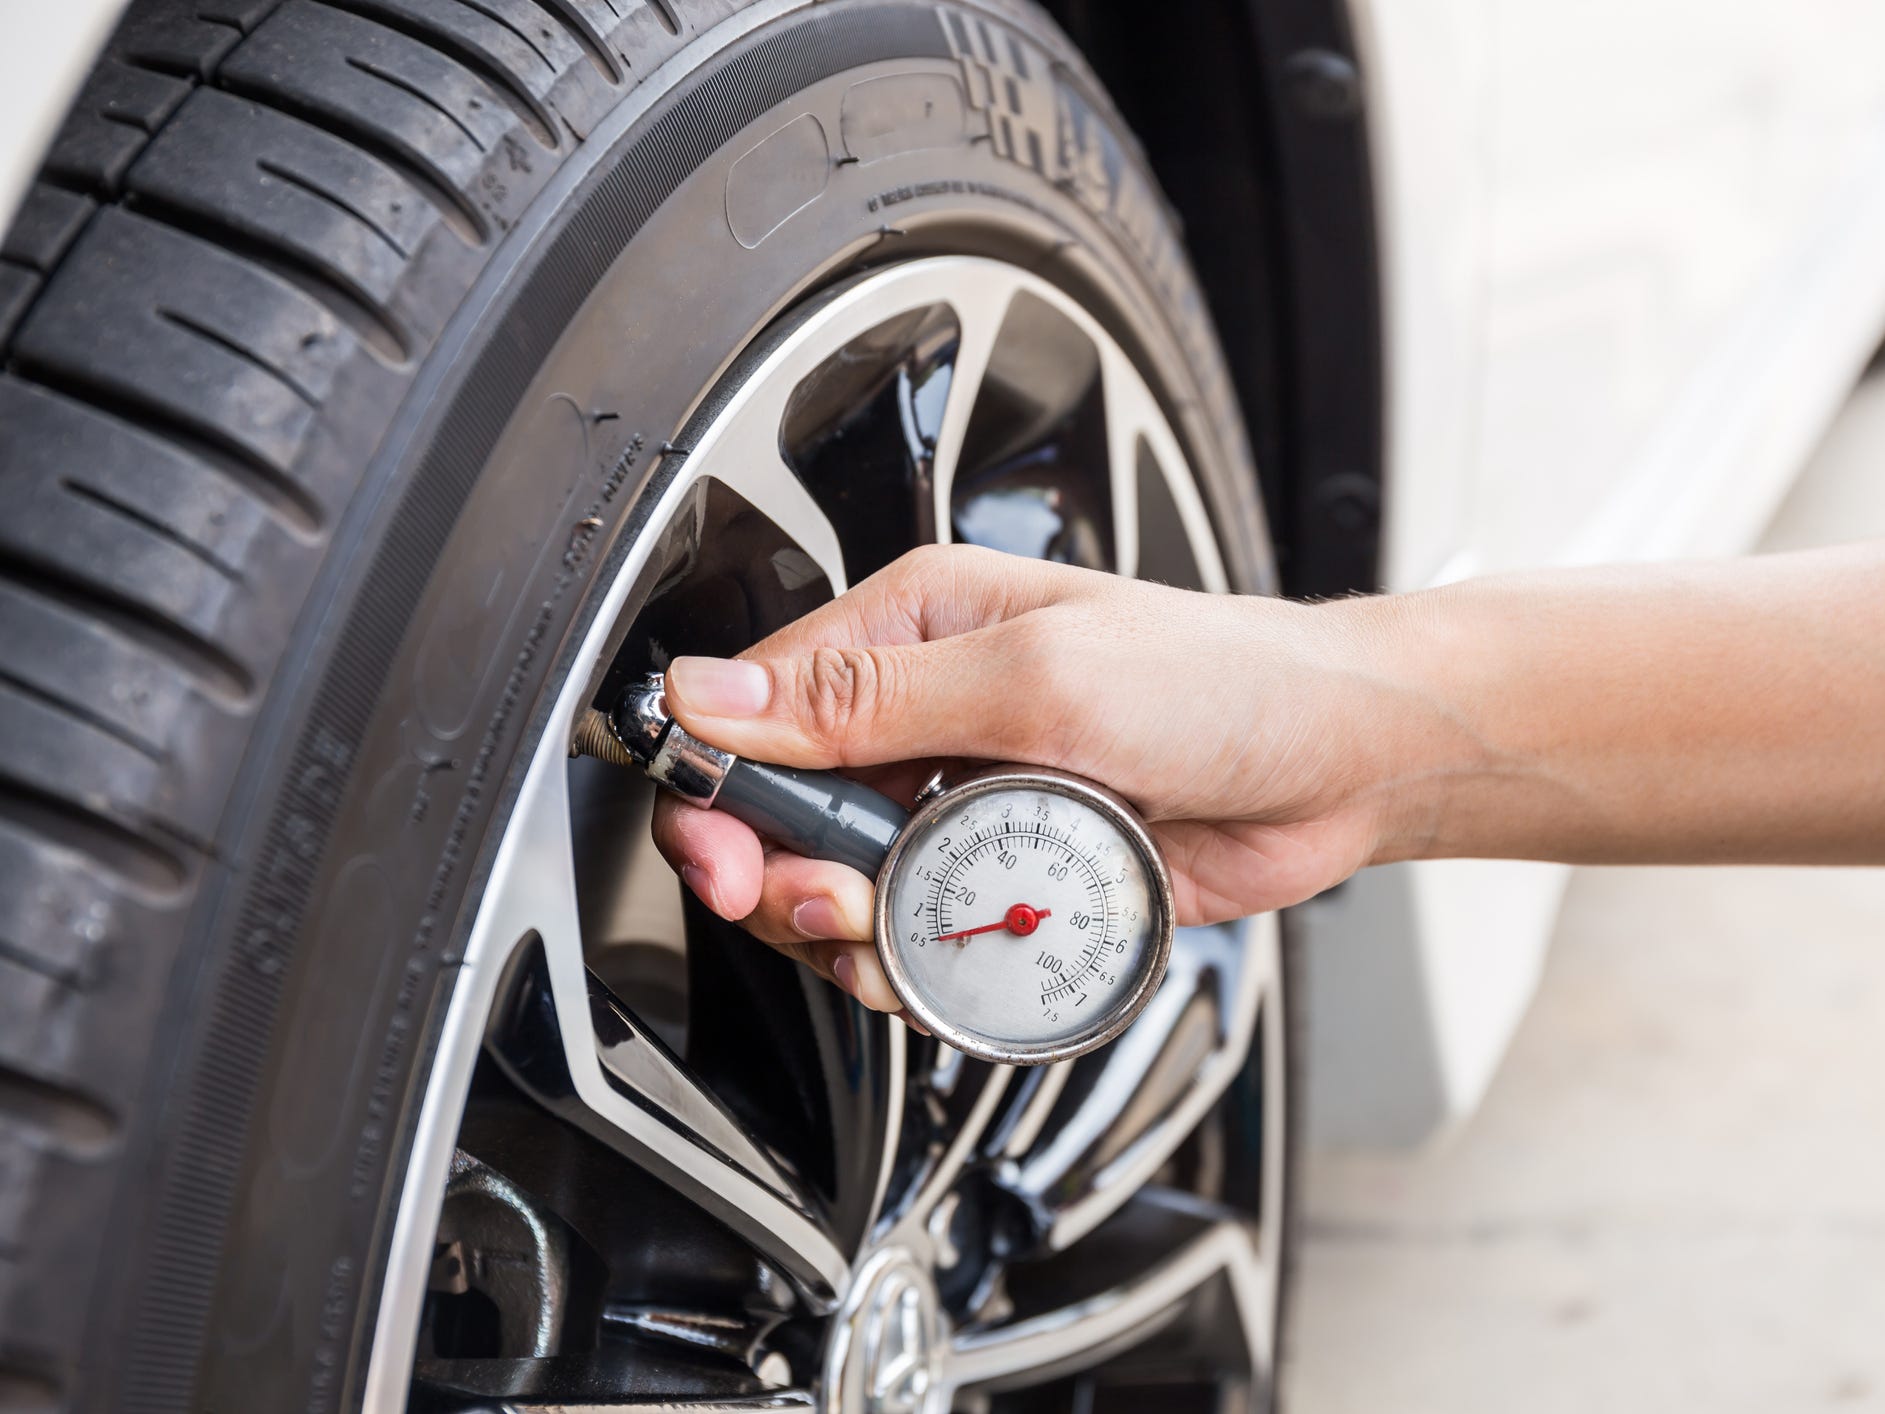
278, 595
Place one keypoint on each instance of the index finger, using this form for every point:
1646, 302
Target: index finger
936, 591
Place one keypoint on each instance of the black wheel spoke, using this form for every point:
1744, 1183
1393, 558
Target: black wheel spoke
656, 1112
807, 1067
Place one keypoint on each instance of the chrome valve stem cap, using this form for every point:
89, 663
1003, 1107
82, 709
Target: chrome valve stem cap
671, 755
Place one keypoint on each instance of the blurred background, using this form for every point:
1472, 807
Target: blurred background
1672, 1197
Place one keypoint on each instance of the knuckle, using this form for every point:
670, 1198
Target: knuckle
1048, 648
932, 572
927, 560
846, 689
958, 569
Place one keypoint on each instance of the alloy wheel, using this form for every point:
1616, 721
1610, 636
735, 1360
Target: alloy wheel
657, 1166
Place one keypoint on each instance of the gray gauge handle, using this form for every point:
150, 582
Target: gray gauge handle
815, 813
819, 814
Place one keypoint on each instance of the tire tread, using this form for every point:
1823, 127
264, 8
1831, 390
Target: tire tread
252, 209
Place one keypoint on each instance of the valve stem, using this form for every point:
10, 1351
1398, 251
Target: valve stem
595, 737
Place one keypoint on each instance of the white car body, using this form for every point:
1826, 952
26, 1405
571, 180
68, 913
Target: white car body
49, 49
1632, 259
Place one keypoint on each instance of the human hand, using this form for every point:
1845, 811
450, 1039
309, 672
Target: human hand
1237, 726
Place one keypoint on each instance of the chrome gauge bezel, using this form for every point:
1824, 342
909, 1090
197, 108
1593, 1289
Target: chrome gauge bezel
1151, 966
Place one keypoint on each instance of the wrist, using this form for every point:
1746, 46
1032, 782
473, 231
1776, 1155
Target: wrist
1418, 742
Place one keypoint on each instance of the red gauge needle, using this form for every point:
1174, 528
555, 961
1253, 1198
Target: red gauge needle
1019, 920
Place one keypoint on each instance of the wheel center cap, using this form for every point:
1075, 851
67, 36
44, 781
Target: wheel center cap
887, 1346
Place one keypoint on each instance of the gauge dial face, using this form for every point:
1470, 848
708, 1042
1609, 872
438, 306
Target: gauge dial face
1023, 917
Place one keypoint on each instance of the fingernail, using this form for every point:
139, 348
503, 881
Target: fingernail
845, 971
720, 687
820, 917
701, 882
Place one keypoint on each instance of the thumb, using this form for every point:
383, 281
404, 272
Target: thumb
857, 705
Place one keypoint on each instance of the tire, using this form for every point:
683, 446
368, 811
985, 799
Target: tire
316, 439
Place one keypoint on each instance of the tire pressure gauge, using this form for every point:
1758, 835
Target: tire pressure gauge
1023, 915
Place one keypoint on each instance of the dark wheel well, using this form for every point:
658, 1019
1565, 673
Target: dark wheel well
1251, 115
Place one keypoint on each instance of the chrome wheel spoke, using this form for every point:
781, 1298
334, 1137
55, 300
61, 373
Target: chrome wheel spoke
950, 1163
969, 1094
1186, 1246
1125, 1109
980, 309
1140, 442
1039, 1092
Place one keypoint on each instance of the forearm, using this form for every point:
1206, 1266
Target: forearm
1698, 713
1684, 713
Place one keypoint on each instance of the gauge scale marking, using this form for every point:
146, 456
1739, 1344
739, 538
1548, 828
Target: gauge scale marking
1024, 915
969, 877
